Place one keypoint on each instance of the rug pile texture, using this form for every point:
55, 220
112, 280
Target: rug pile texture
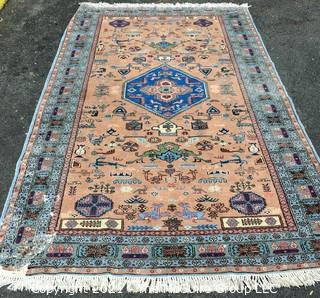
164, 156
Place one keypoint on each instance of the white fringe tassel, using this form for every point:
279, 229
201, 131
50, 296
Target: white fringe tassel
108, 283
157, 6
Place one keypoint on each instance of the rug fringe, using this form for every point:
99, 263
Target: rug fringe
108, 283
162, 5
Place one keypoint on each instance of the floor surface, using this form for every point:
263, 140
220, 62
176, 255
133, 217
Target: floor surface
30, 31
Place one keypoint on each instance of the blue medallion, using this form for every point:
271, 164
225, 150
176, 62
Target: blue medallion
165, 91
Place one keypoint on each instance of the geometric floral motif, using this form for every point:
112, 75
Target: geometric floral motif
93, 205
248, 203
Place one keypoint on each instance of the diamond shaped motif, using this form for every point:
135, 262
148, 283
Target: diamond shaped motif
119, 23
165, 91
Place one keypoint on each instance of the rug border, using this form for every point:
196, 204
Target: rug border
292, 105
30, 130
18, 280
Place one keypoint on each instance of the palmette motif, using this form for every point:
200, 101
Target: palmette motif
164, 152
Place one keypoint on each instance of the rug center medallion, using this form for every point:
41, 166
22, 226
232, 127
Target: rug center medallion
165, 91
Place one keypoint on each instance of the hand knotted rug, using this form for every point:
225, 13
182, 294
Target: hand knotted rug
165, 156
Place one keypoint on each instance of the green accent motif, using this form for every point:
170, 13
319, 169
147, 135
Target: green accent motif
169, 152
163, 45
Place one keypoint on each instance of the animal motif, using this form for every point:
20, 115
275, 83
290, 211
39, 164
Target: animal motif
153, 214
236, 159
239, 138
156, 179
198, 190
187, 178
141, 191
188, 214
96, 140
100, 162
